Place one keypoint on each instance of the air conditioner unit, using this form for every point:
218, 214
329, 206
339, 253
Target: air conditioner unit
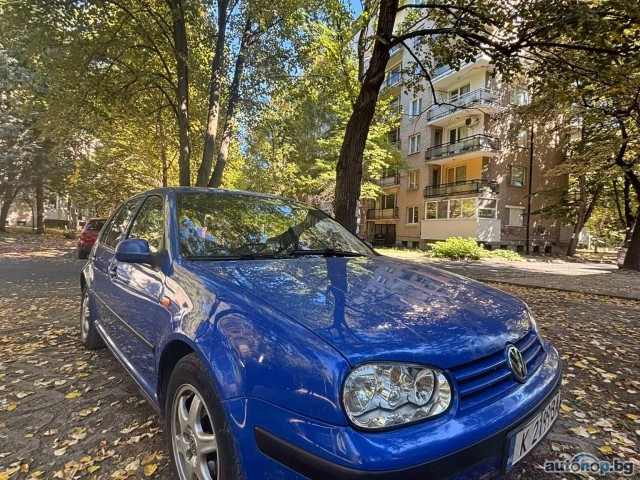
472, 121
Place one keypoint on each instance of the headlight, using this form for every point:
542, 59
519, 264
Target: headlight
382, 395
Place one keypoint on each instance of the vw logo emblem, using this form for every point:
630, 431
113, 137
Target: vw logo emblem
516, 363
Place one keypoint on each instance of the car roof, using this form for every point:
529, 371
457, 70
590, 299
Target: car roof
220, 191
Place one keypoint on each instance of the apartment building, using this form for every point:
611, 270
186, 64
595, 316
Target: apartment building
59, 212
467, 173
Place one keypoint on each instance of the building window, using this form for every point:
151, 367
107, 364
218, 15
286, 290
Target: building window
469, 208
455, 209
388, 201
517, 176
394, 76
412, 215
459, 92
457, 174
416, 107
522, 138
431, 211
463, 208
395, 105
487, 208
414, 143
414, 179
515, 216
457, 134
394, 137
519, 95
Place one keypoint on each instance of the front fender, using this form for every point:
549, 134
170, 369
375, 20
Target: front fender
252, 351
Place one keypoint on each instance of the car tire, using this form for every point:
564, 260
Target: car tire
198, 434
82, 254
89, 335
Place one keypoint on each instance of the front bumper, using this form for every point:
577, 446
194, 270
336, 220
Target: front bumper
276, 443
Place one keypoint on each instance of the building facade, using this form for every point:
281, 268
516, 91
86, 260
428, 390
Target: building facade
467, 173
59, 212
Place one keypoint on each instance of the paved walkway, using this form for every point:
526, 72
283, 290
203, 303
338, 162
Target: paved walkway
591, 278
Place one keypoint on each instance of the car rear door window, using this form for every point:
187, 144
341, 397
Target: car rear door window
118, 226
149, 222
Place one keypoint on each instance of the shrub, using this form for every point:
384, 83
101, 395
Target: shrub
458, 248
509, 255
70, 234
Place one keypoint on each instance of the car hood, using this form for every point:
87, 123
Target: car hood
380, 308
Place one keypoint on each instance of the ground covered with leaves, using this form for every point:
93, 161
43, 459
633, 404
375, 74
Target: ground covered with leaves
69, 413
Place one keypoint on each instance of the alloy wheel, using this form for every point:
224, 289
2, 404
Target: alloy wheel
195, 446
85, 315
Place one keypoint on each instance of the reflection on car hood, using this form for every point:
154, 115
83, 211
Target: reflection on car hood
383, 308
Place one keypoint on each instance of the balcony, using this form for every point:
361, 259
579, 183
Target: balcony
382, 214
481, 100
446, 75
392, 181
472, 187
468, 147
393, 79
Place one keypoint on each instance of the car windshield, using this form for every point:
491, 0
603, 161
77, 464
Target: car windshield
218, 226
95, 225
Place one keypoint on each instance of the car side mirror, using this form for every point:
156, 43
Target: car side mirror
134, 250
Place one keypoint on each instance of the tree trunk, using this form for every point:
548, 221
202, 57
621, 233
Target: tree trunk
585, 210
632, 259
182, 91
162, 144
215, 91
40, 206
628, 212
349, 169
230, 118
9, 195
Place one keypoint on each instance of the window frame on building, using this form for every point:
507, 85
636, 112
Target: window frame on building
461, 208
413, 180
523, 170
519, 95
457, 93
455, 169
508, 220
412, 215
384, 201
393, 71
522, 138
416, 107
414, 143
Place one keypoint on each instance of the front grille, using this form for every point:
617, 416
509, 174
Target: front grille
489, 377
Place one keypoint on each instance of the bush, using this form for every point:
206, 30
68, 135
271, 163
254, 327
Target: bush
509, 255
70, 234
458, 248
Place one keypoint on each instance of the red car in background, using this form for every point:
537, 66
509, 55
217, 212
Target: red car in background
88, 235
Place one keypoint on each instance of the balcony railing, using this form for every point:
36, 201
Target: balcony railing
391, 181
392, 79
476, 98
468, 144
460, 188
382, 213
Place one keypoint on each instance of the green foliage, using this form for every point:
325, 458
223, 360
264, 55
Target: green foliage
509, 255
293, 147
458, 248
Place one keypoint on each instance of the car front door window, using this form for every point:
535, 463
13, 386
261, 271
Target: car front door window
149, 223
118, 226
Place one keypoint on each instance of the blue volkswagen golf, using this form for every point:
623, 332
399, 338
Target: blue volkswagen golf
277, 345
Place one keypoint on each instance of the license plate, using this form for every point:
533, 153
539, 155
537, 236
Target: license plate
525, 439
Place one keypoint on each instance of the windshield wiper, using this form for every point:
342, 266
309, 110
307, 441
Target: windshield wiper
327, 252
